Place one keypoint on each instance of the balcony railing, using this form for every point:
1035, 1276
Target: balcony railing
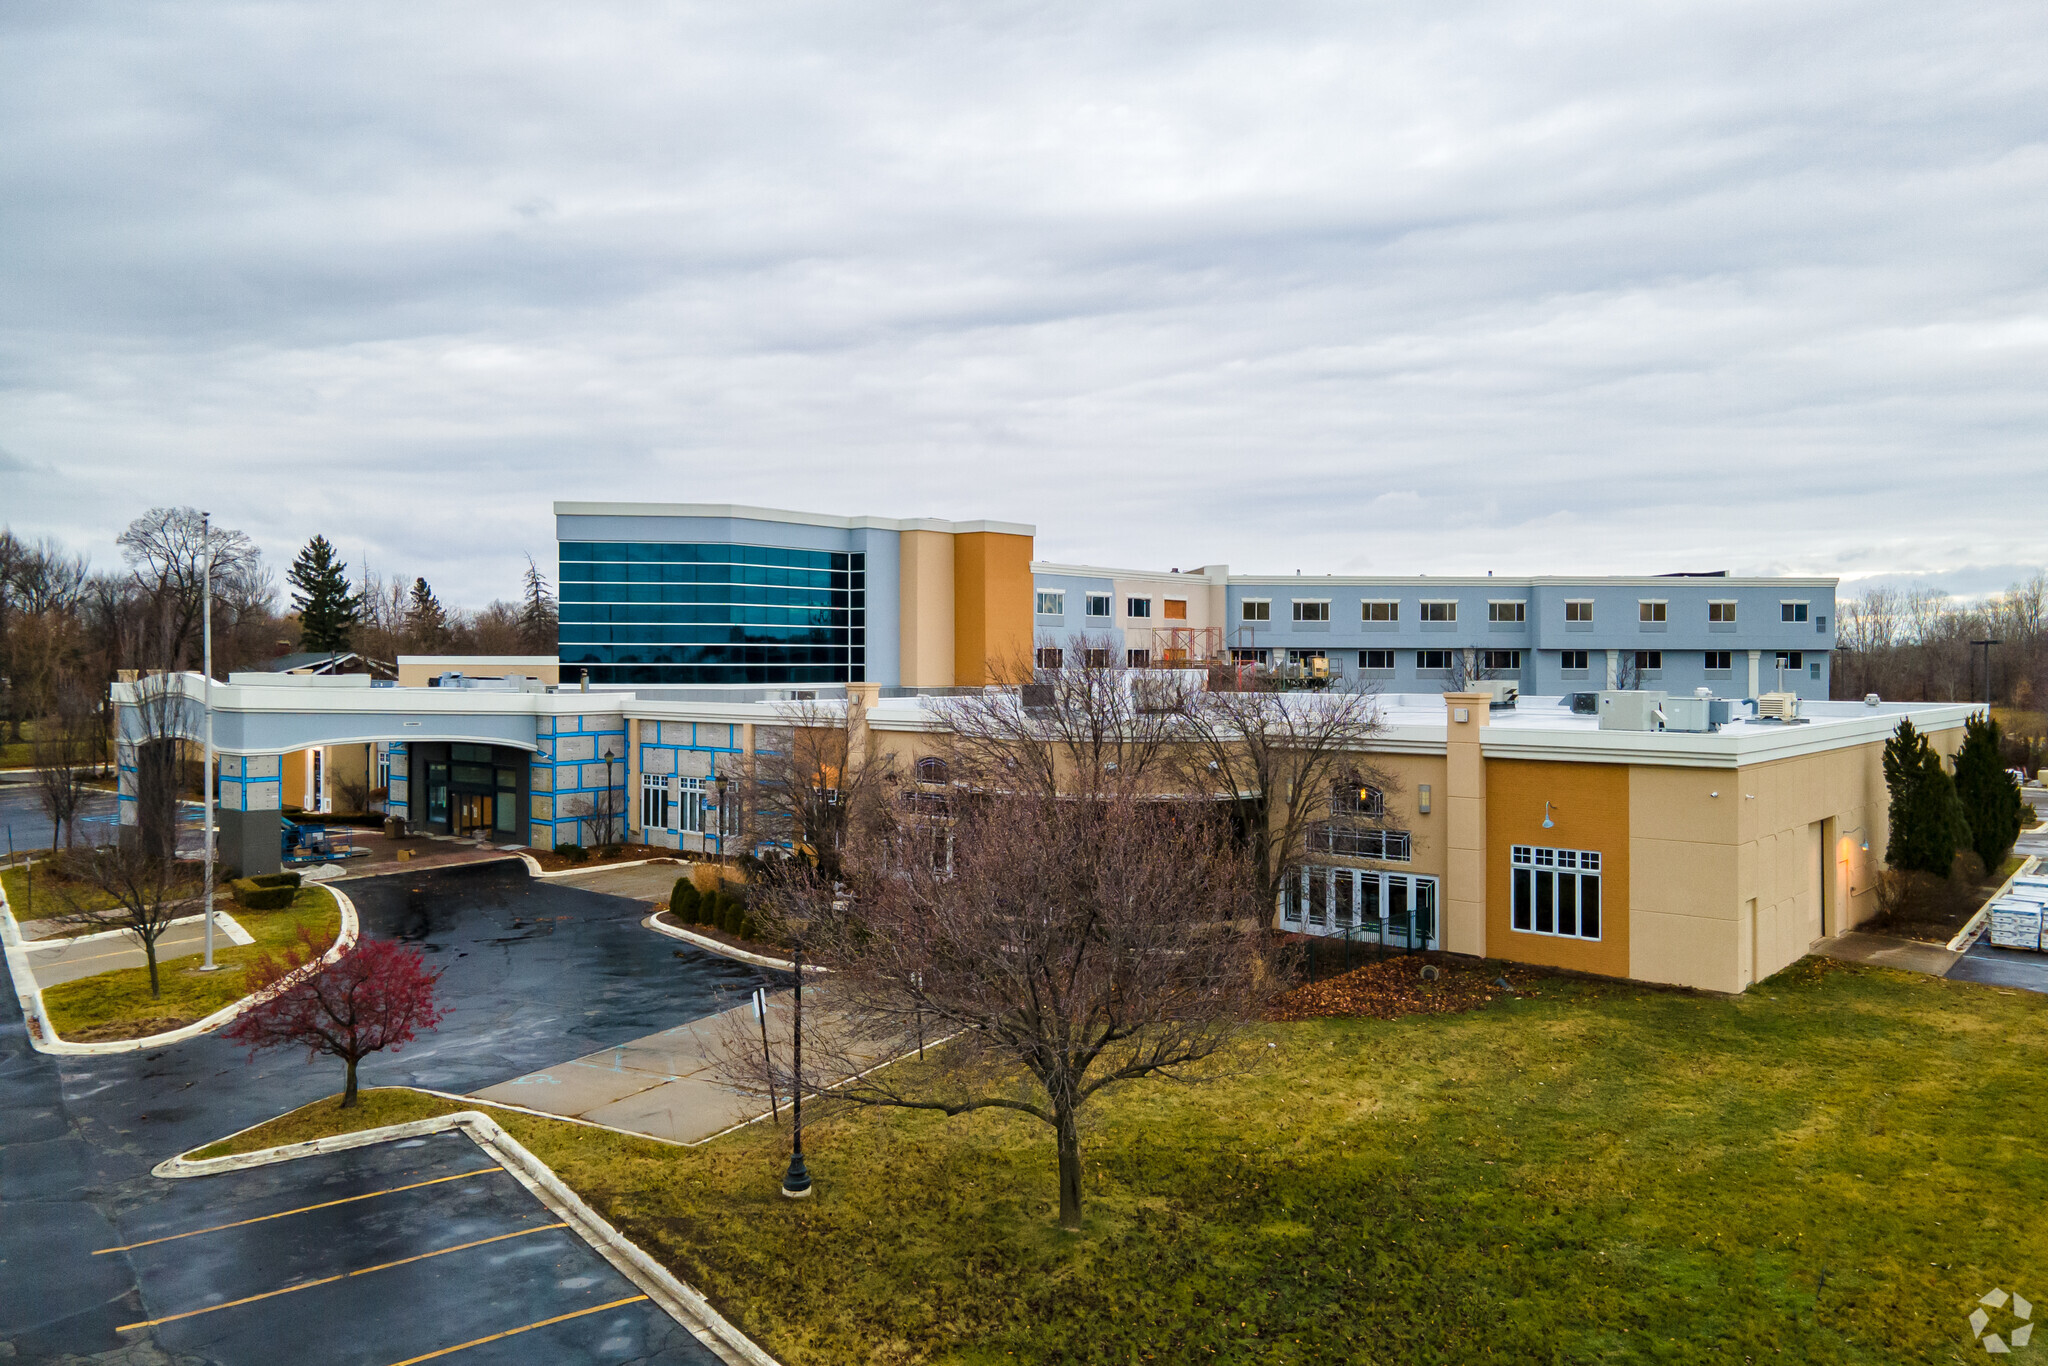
1351, 841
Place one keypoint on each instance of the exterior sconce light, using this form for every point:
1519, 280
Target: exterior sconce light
1422, 799
1547, 822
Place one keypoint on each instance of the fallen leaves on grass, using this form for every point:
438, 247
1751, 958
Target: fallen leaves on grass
1388, 990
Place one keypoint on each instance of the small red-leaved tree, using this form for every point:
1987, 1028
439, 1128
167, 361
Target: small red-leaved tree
379, 996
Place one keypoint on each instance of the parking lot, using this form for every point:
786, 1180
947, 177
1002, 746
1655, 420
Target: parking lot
100, 1260
316, 1252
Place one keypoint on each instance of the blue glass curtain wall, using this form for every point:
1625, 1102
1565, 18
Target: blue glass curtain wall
654, 612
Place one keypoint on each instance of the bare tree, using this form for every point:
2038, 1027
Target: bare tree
1088, 725
147, 891
814, 781
1073, 946
166, 550
1276, 758
62, 743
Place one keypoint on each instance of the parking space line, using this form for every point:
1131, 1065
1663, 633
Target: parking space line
303, 1209
514, 1332
329, 1280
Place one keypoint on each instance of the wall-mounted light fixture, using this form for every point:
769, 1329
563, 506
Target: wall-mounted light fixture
1422, 799
1547, 822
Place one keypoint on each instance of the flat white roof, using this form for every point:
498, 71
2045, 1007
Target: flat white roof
741, 512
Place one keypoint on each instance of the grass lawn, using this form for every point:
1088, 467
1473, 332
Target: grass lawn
36, 893
117, 1005
1831, 1168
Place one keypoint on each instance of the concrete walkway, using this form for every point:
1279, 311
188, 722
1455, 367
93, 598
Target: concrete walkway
650, 882
67, 960
1884, 951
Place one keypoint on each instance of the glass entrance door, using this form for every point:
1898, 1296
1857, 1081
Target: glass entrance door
472, 813
1395, 909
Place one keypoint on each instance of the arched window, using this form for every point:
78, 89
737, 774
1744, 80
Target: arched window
931, 770
1353, 796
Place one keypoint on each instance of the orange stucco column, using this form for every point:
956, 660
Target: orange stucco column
1464, 899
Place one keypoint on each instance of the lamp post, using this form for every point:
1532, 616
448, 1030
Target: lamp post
1987, 644
206, 658
796, 1182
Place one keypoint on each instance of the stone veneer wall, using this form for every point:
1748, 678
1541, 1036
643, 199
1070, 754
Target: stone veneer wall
569, 778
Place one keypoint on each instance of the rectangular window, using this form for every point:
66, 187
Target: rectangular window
655, 809
1255, 609
1572, 661
1509, 661
1791, 611
1651, 609
729, 813
1137, 607
1376, 661
1176, 609
1722, 612
1052, 602
1051, 657
1095, 659
690, 807
1813, 669
1138, 659
1720, 661
1791, 659
1578, 609
1098, 604
1433, 660
1250, 656
1555, 892
1649, 661
1507, 611
1439, 611
1311, 609
1379, 611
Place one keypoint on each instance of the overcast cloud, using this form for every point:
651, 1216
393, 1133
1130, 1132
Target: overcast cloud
1530, 287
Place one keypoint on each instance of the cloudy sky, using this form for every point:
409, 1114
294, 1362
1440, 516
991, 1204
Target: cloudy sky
1354, 287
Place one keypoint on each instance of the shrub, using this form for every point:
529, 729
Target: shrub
251, 893
1990, 797
575, 853
685, 903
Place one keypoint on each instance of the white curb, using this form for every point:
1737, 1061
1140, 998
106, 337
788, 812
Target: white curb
724, 950
683, 1304
43, 1035
1968, 934
228, 924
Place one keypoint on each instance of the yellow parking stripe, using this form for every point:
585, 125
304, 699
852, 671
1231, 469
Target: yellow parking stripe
303, 1209
329, 1280
514, 1332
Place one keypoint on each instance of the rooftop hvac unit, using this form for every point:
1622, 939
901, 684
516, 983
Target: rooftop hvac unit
1504, 692
1777, 706
1631, 710
1581, 703
1691, 714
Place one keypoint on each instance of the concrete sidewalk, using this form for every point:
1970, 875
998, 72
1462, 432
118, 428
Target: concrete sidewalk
665, 1085
67, 960
1885, 951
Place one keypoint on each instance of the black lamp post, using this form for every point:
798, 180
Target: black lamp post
796, 1182
1987, 644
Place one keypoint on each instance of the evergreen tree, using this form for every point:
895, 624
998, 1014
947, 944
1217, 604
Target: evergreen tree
426, 621
329, 610
1928, 825
1990, 797
538, 623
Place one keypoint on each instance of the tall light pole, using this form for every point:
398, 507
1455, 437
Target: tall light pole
796, 1182
1987, 644
206, 657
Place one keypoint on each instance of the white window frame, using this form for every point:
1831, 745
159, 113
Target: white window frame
1422, 664
1264, 610
1792, 610
1107, 601
1530, 868
1312, 603
1653, 610
1051, 657
1096, 657
1649, 661
1725, 607
1052, 602
1707, 662
657, 804
1507, 609
1137, 659
1449, 606
1582, 606
1392, 606
1565, 664
1138, 609
690, 804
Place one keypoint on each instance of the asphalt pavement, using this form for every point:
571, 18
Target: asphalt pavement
535, 974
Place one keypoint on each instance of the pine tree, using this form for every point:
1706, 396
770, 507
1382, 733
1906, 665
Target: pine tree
1928, 825
1990, 797
329, 610
426, 621
538, 623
